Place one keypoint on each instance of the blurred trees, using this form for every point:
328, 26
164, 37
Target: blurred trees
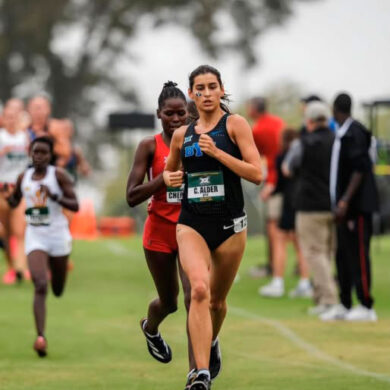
68, 47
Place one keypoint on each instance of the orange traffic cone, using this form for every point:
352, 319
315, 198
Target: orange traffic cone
83, 225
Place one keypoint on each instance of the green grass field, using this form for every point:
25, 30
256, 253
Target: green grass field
95, 341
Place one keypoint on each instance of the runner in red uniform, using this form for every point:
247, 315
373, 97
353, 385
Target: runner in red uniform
159, 239
164, 207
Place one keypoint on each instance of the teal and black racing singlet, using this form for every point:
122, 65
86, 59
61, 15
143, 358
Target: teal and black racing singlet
210, 188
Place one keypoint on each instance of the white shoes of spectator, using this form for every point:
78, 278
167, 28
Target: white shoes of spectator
335, 313
318, 310
274, 289
361, 313
356, 314
303, 290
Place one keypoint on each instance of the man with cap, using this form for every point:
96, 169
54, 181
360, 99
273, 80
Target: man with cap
354, 198
309, 159
305, 102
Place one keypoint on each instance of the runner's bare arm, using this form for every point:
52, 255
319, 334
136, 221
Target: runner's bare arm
137, 191
68, 200
173, 175
13, 196
249, 168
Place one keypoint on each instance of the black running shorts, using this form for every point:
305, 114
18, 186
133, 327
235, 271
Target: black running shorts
214, 230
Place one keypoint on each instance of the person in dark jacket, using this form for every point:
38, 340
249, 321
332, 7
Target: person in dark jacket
309, 160
354, 199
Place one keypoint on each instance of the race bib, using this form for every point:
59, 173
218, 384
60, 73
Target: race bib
175, 194
240, 223
206, 187
16, 156
38, 216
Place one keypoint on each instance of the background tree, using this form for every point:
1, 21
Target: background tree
32, 32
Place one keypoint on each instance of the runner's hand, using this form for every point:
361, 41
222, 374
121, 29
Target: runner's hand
207, 145
5, 150
45, 189
6, 190
267, 191
173, 179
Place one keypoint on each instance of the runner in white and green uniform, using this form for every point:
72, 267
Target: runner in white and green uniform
47, 190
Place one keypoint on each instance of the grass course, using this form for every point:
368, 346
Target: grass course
95, 341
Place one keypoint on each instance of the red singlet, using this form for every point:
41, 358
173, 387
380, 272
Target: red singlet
164, 208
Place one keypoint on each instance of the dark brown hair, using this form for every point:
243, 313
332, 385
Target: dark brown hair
204, 69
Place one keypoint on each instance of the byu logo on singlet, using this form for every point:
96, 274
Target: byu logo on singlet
192, 150
187, 139
217, 132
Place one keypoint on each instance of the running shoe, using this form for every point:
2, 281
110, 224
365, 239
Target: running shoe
201, 382
157, 347
40, 346
9, 277
215, 360
190, 378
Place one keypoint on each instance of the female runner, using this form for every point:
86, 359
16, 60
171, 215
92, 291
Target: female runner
159, 238
46, 190
216, 151
13, 160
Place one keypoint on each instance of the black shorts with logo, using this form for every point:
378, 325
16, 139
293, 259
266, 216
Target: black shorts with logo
214, 231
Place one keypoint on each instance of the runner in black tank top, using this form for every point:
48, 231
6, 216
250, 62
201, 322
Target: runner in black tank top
215, 153
211, 189
194, 160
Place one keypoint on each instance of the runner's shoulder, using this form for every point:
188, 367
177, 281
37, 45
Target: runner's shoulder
236, 120
148, 145
62, 174
178, 135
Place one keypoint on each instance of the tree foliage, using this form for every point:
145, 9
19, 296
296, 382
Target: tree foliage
32, 32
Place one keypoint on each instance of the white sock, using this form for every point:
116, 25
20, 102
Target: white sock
204, 371
304, 283
278, 281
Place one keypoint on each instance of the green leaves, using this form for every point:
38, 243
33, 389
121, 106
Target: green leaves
98, 33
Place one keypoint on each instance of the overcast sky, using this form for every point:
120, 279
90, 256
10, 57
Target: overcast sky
327, 46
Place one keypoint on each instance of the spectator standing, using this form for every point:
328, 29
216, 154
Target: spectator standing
267, 131
310, 156
332, 124
354, 199
286, 232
